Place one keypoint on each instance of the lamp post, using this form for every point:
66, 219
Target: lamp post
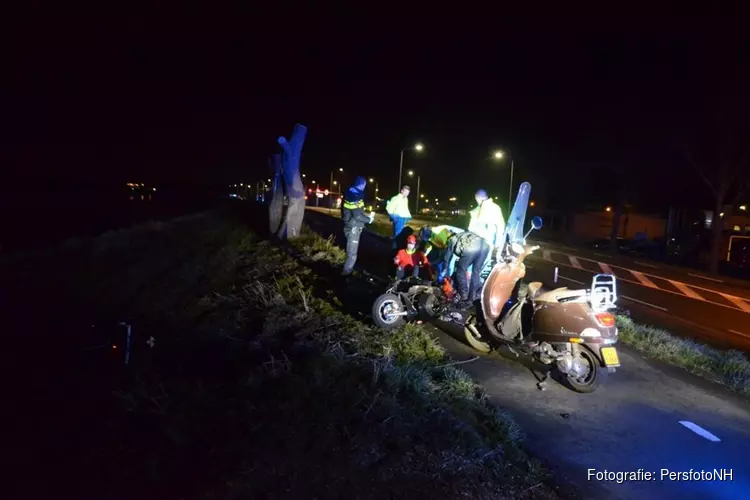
411, 174
499, 155
416, 147
377, 188
331, 190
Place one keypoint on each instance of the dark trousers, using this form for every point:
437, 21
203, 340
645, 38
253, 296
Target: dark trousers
475, 259
401, 271
352, 235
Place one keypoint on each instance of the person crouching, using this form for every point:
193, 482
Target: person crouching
410, 260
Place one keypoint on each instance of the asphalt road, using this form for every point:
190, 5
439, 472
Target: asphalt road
714, 310
647, 416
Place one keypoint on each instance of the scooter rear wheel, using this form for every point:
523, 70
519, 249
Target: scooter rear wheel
473, 337
588, 383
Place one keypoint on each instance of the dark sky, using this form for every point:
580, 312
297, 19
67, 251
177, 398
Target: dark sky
201, 96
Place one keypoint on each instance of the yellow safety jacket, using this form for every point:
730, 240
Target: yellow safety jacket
398, 206
487, 221
439, 237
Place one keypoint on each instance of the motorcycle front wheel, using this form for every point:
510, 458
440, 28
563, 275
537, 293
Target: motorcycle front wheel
473, 337
587, 382
388, 312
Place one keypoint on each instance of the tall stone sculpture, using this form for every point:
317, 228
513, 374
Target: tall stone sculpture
286, 218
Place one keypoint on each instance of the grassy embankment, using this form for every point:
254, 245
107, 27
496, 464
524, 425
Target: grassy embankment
259, 386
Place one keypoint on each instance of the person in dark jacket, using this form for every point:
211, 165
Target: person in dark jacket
355, 218
471, 250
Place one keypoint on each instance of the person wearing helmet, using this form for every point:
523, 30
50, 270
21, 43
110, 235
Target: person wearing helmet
353, 214
436, 243
410, 260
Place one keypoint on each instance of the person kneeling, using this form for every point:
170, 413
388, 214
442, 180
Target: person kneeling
410, 260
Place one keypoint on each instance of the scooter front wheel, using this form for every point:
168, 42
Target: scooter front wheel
587, 382
388, 312
473, 337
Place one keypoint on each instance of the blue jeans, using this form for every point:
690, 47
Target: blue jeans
398, 226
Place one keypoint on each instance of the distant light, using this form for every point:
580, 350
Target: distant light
419, 147
313, 182
421, 196
495, 197
372, 180
436, 199
269, 180
153, 189
499, 155
743, 207
241, 184
532, 203
411, 172
721, 214
341, 170
114, 346
608, 209
335, 182
326, 192
303, 175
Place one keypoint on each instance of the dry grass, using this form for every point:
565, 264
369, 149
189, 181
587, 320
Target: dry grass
261, 387
730, 368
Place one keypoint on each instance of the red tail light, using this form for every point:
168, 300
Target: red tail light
605, 319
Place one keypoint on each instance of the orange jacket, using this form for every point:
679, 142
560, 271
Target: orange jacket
416, 258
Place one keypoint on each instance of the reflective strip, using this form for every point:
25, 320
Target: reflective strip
352, 205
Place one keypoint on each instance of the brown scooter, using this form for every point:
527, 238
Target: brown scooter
570, 331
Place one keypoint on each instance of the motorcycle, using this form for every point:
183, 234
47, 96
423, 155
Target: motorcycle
408, 300
573, 332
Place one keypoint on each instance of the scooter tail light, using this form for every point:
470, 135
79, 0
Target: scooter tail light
605, 319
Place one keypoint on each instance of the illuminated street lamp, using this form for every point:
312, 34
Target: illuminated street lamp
499, 155
411, 174
417, 147
332, 183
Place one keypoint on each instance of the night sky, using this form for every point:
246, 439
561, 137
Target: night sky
583, 106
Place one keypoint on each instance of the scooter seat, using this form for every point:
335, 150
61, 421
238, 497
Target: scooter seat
534, 288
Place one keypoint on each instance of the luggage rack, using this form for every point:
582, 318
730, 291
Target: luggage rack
603, 293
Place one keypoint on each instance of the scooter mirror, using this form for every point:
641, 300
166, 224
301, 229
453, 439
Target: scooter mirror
517, 248
536, 222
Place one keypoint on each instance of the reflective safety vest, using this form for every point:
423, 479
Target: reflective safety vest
487, 221
398, 206
353, 205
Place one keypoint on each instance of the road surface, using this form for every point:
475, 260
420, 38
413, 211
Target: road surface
647, 417
710, 309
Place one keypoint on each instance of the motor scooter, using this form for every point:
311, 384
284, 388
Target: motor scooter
573, 332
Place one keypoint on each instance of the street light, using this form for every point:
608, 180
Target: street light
416, 147
377, 188
411, 174
499, 155
331, 200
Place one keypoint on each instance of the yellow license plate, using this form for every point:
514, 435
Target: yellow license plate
610, 356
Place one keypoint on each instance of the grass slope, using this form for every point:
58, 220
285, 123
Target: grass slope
259, 385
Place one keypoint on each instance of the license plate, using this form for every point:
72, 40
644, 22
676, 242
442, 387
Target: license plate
610, 356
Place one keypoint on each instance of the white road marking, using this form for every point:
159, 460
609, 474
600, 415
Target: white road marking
678, 294
574, 261
739, 333
644, 303
606, 268
571, 279
700, 431
547, 255
643, 279
686, 290
705, 278
645, 265
600, 254
738, 301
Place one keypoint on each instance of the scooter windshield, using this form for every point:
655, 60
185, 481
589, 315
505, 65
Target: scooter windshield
514, 227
